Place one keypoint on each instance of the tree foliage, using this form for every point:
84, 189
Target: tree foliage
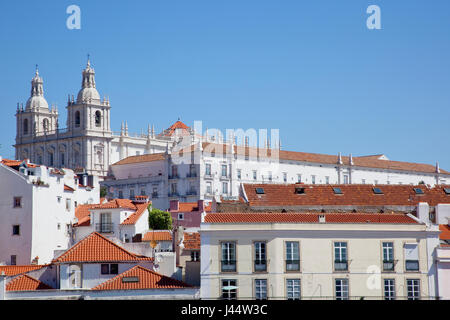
159, 219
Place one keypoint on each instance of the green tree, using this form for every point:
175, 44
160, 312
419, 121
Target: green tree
159, 219
103, 192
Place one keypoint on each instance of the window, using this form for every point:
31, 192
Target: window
143, 193
16, 230
68, 204
131, 194
98, 117
313, 179
58, 226
192, 171
418, 191
17, 203
300, 190
25, 126
77, 119
284, 176
413, 288
327, 179
377, 191
50, 158
224, 170
107, 268
45, 124
120, 194
255, 174
345, 179
62, 160
292, 256
173, 189
259, 190
260, 289
13, 260
293, 289
229, 289
239, 174
447, 190
411, 251
195, 255
224, 187
341, 289
340, 256
208, 169
260, 256
228, 257
270, 175
389, 289
208, 188
299, 178
337, 190
363, 181
174, 170
181, 216
388, 256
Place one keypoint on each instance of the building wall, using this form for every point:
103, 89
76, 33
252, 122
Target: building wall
316, 255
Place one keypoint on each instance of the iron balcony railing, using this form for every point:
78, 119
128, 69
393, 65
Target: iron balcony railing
228, 265
388, 265
340, 265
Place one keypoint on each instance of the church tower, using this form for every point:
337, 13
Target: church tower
35, 120
88, 119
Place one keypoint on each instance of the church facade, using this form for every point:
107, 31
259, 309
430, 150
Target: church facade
87, 143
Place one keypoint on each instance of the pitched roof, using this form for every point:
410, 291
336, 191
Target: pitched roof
445, 234
67, 188
177, 125
141, 278
142, 158
191, 207
97, 248
15, 270
158, 235
191, 241
133, 218
17, 163
280, 195
26, 283
82, 213
308, 218
116, 204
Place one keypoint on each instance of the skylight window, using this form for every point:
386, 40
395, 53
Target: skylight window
300, 190
377, 191
447, 190
337, 191
418, 191
259, 191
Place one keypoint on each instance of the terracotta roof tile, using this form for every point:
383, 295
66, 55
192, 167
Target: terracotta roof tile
445, 234
26, 283
158, 235
191, 207
142, 158
97, 248
67, 188
141, 278
191, 241
133, 218
308, 218
280, 195
15, 270
82, 213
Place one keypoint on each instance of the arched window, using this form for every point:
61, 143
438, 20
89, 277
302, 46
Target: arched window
97, 118
25, 126
77, 119
45, 124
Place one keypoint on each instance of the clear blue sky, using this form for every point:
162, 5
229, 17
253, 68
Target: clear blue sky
311, 69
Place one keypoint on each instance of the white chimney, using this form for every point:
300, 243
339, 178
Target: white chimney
423, 212
443, 213
322, 218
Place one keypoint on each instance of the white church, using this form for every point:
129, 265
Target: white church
87, 143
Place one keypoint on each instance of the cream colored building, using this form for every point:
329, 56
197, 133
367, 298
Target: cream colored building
292, 255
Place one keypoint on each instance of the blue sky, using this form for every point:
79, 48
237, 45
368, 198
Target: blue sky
311, 69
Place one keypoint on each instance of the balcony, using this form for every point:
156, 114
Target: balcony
228, 266
104, 227
191, 175
173, 176
412, 265
260, 265
191, 193
388, 266
155, 195
340, 265
173, 194
292, 265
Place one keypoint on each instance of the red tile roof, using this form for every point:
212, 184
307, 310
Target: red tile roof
445, 234
116, 204
97, 248
15, 270
16, 163
67, 188
308, 218
158, 235
133, 218
138, 278
82, 213
177, 125
280, 195
26, 283
191, 241
142, 158
191, 207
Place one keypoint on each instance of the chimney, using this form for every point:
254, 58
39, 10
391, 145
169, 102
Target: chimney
322, 218
423, 212
201, 205
174, 205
